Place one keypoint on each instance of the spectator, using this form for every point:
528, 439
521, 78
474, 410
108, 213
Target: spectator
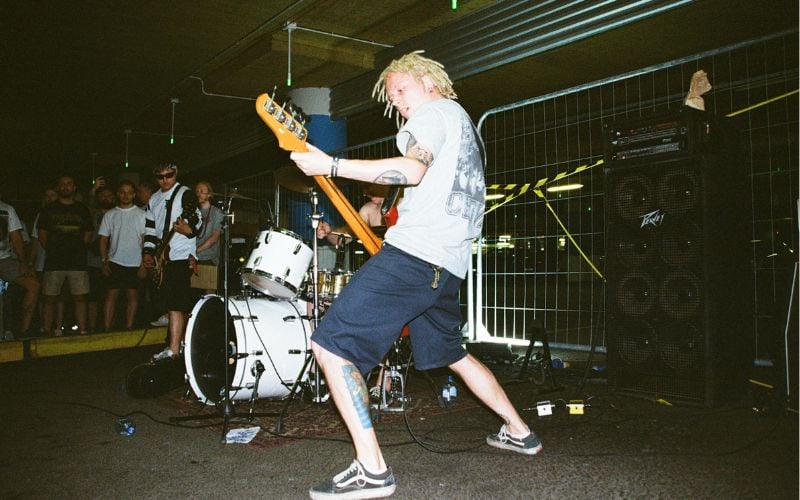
144, 191
65, 230
208, 239
15, 266
121, 233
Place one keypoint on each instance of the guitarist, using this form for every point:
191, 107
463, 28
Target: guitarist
416, 276
172, 222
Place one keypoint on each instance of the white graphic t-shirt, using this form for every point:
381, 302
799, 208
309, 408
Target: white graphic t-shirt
9, 222
439, 218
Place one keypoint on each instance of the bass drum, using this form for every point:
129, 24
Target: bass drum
264, 336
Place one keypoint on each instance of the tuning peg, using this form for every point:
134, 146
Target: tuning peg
281, 114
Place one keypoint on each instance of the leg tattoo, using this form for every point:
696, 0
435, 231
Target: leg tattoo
358, 393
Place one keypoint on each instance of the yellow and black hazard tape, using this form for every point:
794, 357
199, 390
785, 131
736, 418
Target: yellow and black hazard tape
518, 190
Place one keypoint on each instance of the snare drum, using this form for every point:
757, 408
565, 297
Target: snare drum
264, 336
278, 263
331, 282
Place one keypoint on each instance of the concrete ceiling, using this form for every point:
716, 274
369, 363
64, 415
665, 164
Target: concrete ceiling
79, 74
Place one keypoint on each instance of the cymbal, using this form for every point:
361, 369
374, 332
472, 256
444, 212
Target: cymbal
232, 194
347, 237
292, 178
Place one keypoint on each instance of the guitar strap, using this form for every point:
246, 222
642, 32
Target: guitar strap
168, 213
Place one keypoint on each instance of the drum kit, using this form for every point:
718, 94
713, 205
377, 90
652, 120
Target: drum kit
258, 346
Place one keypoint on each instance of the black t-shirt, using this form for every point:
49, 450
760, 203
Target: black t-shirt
65, 226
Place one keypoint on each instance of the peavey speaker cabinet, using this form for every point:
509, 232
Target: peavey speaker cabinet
677, 248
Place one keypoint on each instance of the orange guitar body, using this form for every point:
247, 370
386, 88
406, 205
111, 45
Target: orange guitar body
292, 136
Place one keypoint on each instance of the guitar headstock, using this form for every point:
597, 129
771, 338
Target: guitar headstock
290, 132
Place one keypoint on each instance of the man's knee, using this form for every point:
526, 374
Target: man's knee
322, 355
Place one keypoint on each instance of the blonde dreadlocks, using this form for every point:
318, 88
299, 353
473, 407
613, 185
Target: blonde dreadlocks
417, 66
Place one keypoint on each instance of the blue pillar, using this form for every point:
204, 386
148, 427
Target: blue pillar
328, 135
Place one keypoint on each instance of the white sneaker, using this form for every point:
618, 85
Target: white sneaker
165, 354
162, 321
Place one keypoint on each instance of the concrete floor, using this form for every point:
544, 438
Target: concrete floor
58, 441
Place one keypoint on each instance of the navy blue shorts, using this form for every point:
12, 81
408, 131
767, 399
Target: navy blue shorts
393, 289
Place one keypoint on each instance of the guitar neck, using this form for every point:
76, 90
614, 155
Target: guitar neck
291, 136
368, 238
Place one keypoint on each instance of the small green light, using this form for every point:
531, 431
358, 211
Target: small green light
588, 209
126, 164
172, 139
288, 82
454, 4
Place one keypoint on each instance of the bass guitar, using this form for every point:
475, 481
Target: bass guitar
292, 135
161, 252
160, 258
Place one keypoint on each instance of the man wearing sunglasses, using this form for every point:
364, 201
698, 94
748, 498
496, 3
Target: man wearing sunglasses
172, 222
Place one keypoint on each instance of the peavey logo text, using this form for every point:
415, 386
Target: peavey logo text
654, 218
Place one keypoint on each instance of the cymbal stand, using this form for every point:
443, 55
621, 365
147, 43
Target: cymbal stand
316, 216
225, 405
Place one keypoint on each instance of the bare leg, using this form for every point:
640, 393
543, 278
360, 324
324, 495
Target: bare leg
31, 286
131, 307
59, 312
48, 302
79, 306
350, 394
92, 313
110, 308
177, 324
484, 385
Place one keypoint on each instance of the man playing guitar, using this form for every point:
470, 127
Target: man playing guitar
425, 255
172, 223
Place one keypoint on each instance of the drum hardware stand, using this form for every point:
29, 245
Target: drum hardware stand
316, 216
257, 369
394, 373
226, 406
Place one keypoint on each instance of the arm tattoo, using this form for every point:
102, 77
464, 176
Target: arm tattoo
416, 152
358, 393
392, 178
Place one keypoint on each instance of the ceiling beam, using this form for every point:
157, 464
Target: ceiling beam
327, 51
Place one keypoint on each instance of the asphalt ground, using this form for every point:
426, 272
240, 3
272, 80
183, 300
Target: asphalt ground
58, 440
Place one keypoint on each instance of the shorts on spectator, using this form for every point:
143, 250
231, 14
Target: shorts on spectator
122, 277
52, 282
9, 269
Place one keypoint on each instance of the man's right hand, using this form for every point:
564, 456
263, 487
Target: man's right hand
323, 230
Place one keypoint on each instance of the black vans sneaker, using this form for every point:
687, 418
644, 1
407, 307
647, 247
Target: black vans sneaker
355, 482
528, 445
